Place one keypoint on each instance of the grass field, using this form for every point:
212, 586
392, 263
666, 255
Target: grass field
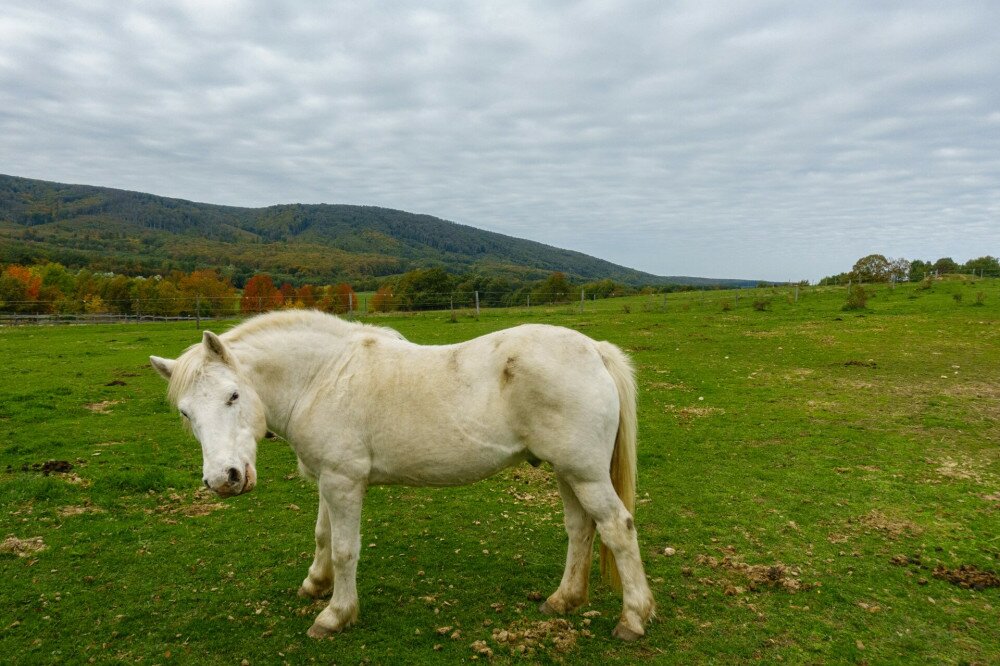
829, 482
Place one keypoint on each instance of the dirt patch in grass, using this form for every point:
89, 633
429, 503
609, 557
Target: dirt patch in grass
189, 505
667, 386
972, 390
968, 576
890, 526
686, 414
77, 510
756, 576
533, 486
22, 547
870, 363
102, 407
959, 470
551, 638
61, 469
47, 467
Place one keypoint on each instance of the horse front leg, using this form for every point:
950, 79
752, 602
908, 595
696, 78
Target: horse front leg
319, 581
342, 496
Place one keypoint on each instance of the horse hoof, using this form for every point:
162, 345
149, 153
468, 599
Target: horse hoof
309, 591
625, 633
546, 609
319, 631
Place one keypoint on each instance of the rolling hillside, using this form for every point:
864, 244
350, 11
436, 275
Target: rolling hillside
137, 233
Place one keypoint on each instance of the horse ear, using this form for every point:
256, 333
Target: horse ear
164, 366
215, 346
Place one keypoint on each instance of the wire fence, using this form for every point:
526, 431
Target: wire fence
196, 308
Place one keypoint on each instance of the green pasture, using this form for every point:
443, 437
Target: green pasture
828, 482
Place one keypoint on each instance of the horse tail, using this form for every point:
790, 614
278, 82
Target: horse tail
623, 458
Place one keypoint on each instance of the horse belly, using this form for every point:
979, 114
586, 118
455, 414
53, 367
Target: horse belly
443, 462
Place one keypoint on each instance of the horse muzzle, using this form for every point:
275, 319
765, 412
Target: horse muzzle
233, 481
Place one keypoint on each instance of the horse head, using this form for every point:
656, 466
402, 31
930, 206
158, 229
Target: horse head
222, 409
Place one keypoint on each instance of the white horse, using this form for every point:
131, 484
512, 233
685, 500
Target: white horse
361, 405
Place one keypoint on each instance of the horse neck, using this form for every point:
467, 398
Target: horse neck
280, 365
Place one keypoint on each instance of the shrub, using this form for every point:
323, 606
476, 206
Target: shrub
957, 297
627, 309
727, 305
857, 298
762, 304
980, 298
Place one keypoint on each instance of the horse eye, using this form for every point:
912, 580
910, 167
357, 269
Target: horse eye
234, 397
185, 414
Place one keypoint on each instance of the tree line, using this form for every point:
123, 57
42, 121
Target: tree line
51, 288
879, 268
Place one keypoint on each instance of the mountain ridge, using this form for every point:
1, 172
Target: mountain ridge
140, 233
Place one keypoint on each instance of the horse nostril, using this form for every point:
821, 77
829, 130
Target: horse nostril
234, 475
206, 483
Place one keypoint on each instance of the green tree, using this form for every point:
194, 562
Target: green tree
946, 265
983, 266
872, 268
919, 269
556, 288
899, 270
423, 289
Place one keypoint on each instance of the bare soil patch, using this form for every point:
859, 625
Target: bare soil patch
22, 547
533, 486
968, 576
686, 414
890, 526
959, 470
201, 502
102, 407
757, 576
77, 510
552, 637
47, 467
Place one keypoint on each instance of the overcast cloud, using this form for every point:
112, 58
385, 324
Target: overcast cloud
772, 140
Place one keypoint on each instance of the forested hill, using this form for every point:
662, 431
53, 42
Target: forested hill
137, 233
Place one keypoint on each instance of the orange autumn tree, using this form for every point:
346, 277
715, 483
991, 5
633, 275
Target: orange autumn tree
382, 301
339, 299
19, 289
288, 294
207, 288
260, 294
305, 296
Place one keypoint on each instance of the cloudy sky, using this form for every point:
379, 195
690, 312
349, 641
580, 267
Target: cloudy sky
773, 140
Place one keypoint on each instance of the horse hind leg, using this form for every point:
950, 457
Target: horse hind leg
617, 530
319, 582
572, 592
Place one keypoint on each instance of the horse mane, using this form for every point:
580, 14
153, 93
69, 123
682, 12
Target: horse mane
312, 319
190, 364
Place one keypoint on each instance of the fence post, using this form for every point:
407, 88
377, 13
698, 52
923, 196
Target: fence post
796, 293
477, 303
581, 300
529, 300
197, 311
